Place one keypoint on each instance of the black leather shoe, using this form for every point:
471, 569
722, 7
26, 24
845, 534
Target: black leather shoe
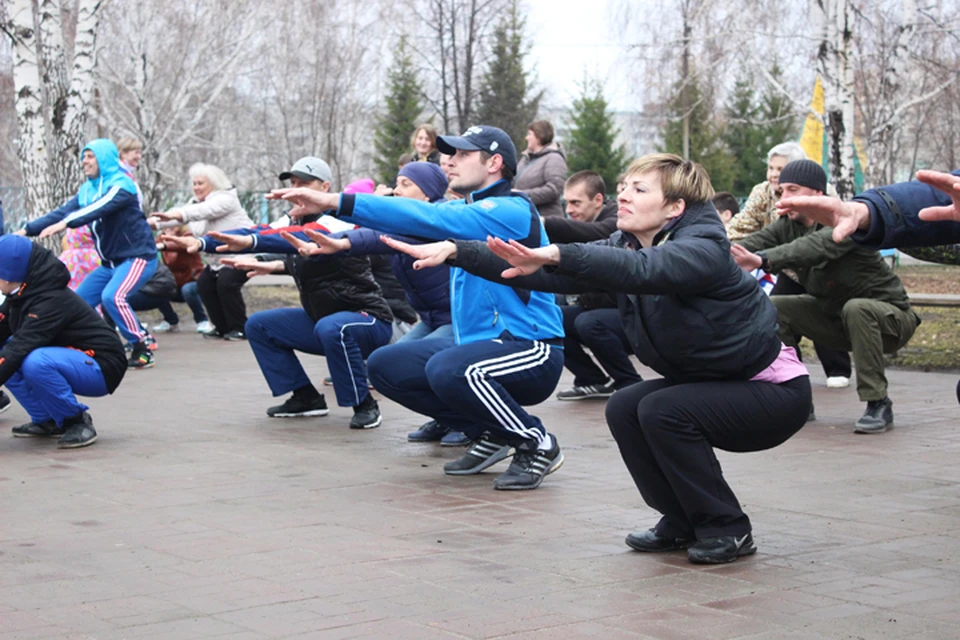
651, 542
721, 550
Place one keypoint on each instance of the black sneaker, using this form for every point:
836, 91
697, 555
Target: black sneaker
140, 357
296, 407
366, 415
4, 401
430, 432
79, 432
212, 333
234, 336
721, 550
652, 542
45, 429
529, 468
482, 454
877, 418
604, 390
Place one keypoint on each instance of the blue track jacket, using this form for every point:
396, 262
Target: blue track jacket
481, 310
109, 204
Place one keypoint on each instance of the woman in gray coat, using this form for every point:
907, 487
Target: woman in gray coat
542, 169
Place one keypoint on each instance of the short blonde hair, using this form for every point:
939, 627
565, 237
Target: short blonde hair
679, 179
129, 144
213, 173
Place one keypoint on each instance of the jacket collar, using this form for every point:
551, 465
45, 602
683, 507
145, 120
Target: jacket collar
500, 188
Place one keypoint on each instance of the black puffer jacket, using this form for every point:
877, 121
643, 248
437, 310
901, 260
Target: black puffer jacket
689, 311
329, 286
45, 313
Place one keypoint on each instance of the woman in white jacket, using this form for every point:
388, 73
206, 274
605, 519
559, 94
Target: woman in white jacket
214, 207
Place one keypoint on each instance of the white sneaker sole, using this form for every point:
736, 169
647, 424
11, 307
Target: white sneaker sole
306, 414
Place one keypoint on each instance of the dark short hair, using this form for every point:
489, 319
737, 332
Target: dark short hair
543, 130
591, 181
406, 158
725, 201
506, 172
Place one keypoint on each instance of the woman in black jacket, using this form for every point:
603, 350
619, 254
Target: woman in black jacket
694, 317
54, 345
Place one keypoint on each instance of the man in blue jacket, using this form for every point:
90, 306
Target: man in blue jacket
507, 344
108, 203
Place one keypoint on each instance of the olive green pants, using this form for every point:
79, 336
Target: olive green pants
868, 328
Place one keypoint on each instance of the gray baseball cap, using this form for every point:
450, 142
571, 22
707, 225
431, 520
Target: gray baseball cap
309, 168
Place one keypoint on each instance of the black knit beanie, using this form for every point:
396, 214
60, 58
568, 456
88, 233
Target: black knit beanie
805, 173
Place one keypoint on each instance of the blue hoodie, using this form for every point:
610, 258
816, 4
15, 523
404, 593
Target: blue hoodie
109, 204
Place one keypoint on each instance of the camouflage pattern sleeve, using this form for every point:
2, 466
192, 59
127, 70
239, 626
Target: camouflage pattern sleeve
757, 213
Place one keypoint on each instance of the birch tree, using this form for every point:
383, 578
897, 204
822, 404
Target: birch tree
54, 92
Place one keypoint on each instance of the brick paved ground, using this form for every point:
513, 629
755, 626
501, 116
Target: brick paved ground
195, 516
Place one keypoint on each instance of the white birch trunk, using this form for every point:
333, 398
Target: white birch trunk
31, 143
836, 68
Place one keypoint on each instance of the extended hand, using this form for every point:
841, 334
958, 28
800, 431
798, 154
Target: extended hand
845, 217
321, 245
427, 255
745, 259
166, 216
53, 229
231, 243
524, 259
181, 243
950, 185
252, 266
306, 201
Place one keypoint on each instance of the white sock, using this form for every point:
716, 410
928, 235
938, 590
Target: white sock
547, 443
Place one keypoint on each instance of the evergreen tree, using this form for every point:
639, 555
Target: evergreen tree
745, 137
706, 141
404, 106
593, 135
505, 98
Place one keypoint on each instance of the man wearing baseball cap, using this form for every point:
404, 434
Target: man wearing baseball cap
854, 301
506, 352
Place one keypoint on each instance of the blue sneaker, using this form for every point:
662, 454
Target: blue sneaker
429, 432
455, 439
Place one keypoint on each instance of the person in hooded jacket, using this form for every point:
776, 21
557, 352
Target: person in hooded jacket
542, 170
693, 316
108, 203
55, 346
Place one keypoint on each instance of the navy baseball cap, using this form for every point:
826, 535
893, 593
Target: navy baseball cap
482, 138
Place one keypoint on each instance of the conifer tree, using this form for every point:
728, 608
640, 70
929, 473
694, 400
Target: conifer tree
593, 134
404, 104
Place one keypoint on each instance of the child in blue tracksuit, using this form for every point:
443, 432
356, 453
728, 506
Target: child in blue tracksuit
109, 204
507, 345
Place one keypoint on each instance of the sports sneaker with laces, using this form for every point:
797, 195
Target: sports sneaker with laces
205, 326
429, 432
4, 401
877, 418
212, 333
604, 390
45, 429
151, 342
79, 432
166, 327
529, 468
366, 415
482, 454
721, 550
650, 541
234, 336
141, 357
297, 407
455, 439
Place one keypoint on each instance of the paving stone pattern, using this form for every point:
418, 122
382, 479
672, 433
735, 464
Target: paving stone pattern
196, 516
